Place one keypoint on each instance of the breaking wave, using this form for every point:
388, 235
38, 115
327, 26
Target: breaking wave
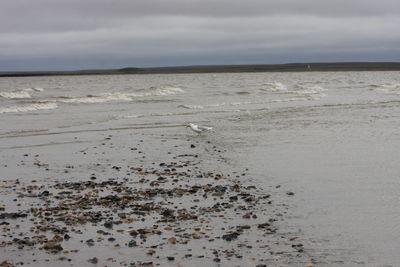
387, 88
15, 95
30, 107
35, 89
308, 89
274, 87
120, 96
21, 93
224, 104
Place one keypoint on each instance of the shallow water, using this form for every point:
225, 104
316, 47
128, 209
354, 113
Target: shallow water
332, 138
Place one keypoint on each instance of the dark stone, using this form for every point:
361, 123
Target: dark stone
231, 236
132, 243
167, 213
219, 189
12, 215
93, 260
263, 225
90, 242
233, 198
133, 233
44, 194
108, 224
53, 246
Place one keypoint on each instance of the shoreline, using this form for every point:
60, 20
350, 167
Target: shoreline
182, 204
290, 67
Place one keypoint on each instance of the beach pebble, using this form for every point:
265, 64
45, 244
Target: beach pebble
132, 243
93, 260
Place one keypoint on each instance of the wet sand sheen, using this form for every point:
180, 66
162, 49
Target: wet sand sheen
161, 198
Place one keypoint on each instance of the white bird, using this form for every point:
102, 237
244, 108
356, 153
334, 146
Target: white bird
198, 128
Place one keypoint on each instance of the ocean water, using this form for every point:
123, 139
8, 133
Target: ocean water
333, 138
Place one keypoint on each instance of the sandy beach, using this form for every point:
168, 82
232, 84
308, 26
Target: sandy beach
299, 169
138, 197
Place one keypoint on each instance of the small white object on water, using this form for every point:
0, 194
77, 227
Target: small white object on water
198, 128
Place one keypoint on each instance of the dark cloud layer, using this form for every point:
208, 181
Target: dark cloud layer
71, 34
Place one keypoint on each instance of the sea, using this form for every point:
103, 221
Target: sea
331, 138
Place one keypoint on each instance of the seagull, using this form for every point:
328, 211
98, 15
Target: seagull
198, 129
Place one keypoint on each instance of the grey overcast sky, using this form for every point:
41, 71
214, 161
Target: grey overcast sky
81, 34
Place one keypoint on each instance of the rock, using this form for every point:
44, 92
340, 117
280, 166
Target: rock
167, 213
196, 235
132, 243
44, 194
51, 245
90, 242
150, 252
12, 215
170, 258
93, 260
108, 224
231, 236
219, 189
263, 225
133, 233
247, 215
233, 198
172, 240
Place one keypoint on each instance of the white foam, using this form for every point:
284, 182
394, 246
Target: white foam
192, 106
20, 93
309, 89
15, 94
249, 102
119, 96
30, 107
391, 88
97, 98
36, 89
391, 85
167, 90
274, 87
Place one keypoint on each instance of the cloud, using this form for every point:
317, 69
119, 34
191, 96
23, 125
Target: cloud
103, 33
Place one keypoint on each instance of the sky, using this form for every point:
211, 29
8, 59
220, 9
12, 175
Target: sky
101, 34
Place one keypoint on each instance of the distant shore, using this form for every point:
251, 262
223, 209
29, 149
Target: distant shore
290, 67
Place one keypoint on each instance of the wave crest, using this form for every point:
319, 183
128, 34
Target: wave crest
120, 96
393, 88
30, 107
15, 95
308, 89
255, 102
274, 87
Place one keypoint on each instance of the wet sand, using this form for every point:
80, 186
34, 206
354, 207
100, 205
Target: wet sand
138, 197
